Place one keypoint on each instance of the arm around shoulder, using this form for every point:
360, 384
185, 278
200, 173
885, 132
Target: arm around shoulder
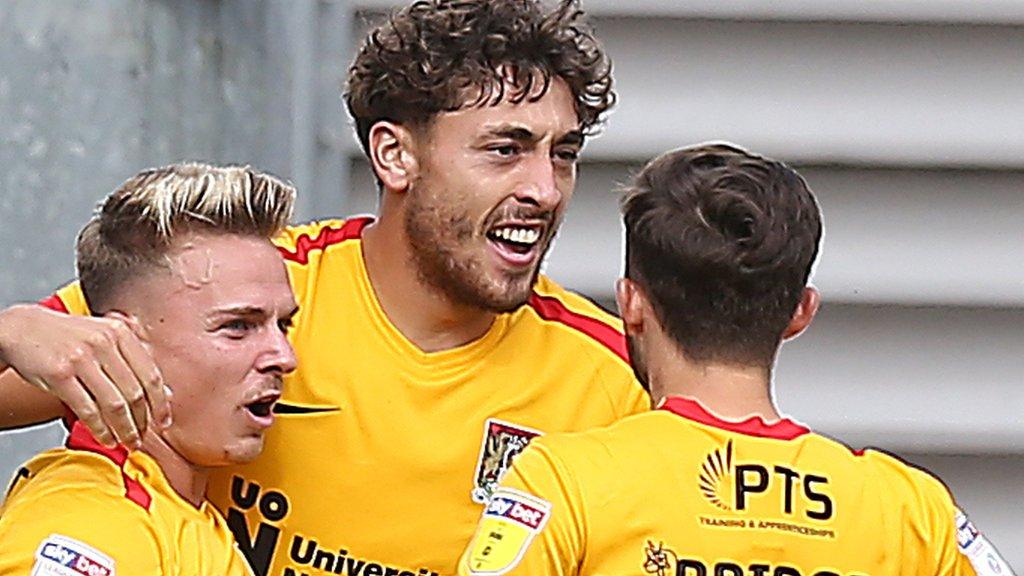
21, 403
96, 366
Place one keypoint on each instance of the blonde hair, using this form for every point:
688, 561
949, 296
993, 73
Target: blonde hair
137, 223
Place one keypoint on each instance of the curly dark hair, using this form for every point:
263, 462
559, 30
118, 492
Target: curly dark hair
445, 55
722, 242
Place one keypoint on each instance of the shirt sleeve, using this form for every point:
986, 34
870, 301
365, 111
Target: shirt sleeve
76, 532
957, 547
534, 523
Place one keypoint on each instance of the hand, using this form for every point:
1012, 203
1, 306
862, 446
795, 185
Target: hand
98, 367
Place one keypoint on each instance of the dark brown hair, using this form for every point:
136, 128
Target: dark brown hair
445, 55
722, 242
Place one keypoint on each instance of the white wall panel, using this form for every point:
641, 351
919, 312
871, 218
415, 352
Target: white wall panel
936, 380
863, 93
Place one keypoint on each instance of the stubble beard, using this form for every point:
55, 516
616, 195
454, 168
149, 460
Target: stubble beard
435, 236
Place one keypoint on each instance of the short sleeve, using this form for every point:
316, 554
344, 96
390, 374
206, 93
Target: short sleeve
533, 524
956, 546
85, 532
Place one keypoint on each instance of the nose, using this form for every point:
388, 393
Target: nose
540, 187
279, 356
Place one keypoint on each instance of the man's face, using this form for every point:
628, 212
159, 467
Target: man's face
492, 187
215, 322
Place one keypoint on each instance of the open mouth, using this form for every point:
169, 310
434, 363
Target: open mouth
515, 239
263, 407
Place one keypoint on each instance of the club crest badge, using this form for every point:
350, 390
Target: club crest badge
501, 443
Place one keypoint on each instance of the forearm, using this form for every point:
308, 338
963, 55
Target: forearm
21, 403
8, 329
96, 366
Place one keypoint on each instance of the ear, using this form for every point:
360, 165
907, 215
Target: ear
392, 153
810, 300
630, 300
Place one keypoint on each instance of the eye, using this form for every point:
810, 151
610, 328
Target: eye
505, 150
285, 324
237, 328
567, 155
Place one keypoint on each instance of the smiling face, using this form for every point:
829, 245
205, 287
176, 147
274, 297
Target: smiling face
215, 324
492, 186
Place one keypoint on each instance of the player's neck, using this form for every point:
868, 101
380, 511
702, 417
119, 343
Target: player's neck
185, 478
422, 314
730, 392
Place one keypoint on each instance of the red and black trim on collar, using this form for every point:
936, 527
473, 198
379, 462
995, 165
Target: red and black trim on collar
327, 236
81, 439
784, 429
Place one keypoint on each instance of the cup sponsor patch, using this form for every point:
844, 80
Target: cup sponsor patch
510, 521
984, 558
62, 556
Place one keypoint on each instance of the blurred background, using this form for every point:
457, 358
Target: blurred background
906, 117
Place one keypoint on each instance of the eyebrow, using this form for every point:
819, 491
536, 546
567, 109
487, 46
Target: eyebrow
572, 137
513, 133
240, 311
251, 311
522, 134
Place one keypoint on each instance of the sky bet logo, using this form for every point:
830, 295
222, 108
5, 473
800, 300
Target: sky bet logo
64, 556
520, 512
731, 486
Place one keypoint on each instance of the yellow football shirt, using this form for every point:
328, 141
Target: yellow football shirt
86, 510
680, 492
382, 454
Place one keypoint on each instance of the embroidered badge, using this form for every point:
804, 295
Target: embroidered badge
502, 442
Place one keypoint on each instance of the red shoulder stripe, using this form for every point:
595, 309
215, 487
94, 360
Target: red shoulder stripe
54, 303
551, 309
352, 228
81, 439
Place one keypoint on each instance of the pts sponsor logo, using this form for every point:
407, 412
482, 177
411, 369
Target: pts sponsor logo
732, 486
664, 562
